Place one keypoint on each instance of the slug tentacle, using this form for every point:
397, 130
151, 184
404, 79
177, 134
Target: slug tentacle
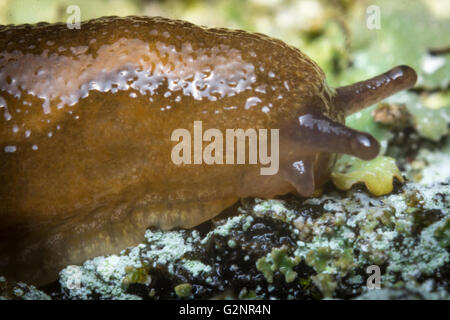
357, 96
323, 134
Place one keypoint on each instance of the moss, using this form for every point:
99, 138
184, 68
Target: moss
278, 260
166, 247
183, 290
275, 208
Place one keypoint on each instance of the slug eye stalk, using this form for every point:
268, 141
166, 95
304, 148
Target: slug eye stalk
357, 96
322, 134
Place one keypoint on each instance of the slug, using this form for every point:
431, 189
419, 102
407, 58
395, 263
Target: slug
87, 117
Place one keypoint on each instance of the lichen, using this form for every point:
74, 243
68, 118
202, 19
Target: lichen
308, 248
430, 166
442, 233
196, 267
137, 275
101, 276
245, 294
408, 292
20, 291
183, 290
278, 260
430, 123
377, 174
318, 247
166, 247
325, 283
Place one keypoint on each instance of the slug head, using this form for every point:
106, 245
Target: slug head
311, 142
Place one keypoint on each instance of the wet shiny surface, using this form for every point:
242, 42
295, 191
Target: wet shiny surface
86, 122
362, 94
55, 68
86, 118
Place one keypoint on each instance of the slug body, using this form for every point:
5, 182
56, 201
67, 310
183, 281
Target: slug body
87, 117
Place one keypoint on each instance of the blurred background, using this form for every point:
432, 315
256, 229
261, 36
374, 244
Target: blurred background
336, 33
350, 40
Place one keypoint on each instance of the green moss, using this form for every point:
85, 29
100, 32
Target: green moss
278, 260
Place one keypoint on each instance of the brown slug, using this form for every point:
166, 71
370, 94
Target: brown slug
86, 118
